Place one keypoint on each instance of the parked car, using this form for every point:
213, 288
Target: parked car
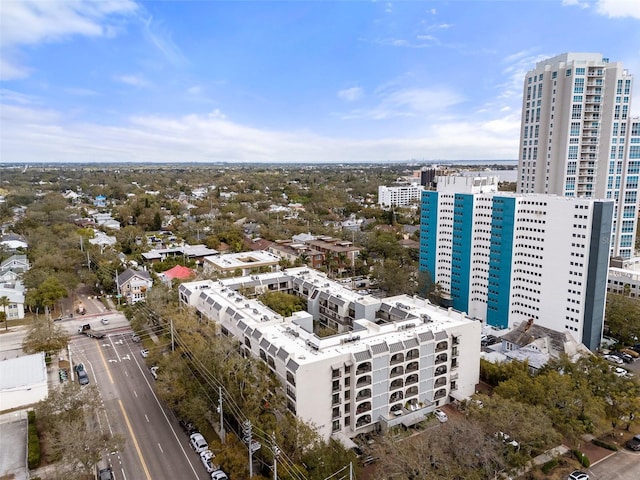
219, 475
634, 443
135, 338
144, 352
507, 439
187, 426
106, 474
489, 340
81, 373
104, 321
621, 372
198, 443
631, 352
613, 359
578, 475
440, 415
206, 458
626, 358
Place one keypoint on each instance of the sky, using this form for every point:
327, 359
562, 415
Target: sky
285, 81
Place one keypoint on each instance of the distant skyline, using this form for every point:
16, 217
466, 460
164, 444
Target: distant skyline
285, 81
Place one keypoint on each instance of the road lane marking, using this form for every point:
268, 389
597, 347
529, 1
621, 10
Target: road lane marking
135, 393
160, 447
145, 416
106, 367
114, 348
135, 440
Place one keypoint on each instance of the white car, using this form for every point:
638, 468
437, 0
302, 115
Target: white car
105, 321
440, 415
206, 457
198, 443
145, 352
219, 475
613, 359
578, 475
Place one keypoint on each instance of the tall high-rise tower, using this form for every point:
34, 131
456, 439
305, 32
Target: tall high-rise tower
578, 140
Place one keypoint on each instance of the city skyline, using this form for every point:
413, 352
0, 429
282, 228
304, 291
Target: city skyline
120, 81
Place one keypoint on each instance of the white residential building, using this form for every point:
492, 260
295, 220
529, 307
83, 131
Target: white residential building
400, 358
243, 262
577, 137
23, 381
400, 196
507, 258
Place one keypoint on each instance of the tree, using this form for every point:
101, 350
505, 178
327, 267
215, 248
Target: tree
622, 318
4, 303
283, 303
45, 336
68, 418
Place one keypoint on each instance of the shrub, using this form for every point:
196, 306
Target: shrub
606, 445
550, 465
582, 458
33, 455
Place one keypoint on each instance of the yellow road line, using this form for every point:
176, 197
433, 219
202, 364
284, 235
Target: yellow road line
104, 362
135, 440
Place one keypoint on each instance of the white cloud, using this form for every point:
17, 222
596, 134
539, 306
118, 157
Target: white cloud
575, 3
351, 94
194, 90
31, 134
133, 80
28, 22
619, 8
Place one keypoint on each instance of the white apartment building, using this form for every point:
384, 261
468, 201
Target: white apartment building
507, 258
400, 196
243, 262
624, 277
577, 137
400, 358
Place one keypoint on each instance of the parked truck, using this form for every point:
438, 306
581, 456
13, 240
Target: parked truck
89, 332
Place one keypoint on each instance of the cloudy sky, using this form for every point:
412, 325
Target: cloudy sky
286, 81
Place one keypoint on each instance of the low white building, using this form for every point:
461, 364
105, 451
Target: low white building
399, 196
23, 381
624, 277
400, 358
243, 262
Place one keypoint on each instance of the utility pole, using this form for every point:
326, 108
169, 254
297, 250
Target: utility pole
246, 436
222, 434
173, 346
276, 452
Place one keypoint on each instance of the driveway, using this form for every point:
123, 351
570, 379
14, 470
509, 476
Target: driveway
13, 445
623, 465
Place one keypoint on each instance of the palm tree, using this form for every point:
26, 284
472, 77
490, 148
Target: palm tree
4, 303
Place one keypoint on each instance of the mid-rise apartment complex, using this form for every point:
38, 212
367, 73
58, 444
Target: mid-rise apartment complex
578, 140
393, 361
507, 258
399, 196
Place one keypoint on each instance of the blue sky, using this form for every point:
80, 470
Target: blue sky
294, 81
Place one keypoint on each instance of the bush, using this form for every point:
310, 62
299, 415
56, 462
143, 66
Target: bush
33, 455
606, 445
582, 458
550, 465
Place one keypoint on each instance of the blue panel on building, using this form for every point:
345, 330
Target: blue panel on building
461, 250
429, 233
500, 256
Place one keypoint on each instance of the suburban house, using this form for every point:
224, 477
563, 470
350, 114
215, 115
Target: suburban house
178, 272
133, 285
14, 291
16, 263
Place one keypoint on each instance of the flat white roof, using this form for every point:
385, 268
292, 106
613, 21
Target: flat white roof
22, 371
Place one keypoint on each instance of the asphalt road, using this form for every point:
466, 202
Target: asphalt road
156, 447
624, 465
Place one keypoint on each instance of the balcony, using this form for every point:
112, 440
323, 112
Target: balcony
395, 371
364, 407
440, 382
396, 384
413, 354
412, 367
363, 421
363, 381
411, 379
397, 358
455, 351
363, 368
441, 358
441, 370
396, 397
411, 392
363, 395
440, 394
442, 346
